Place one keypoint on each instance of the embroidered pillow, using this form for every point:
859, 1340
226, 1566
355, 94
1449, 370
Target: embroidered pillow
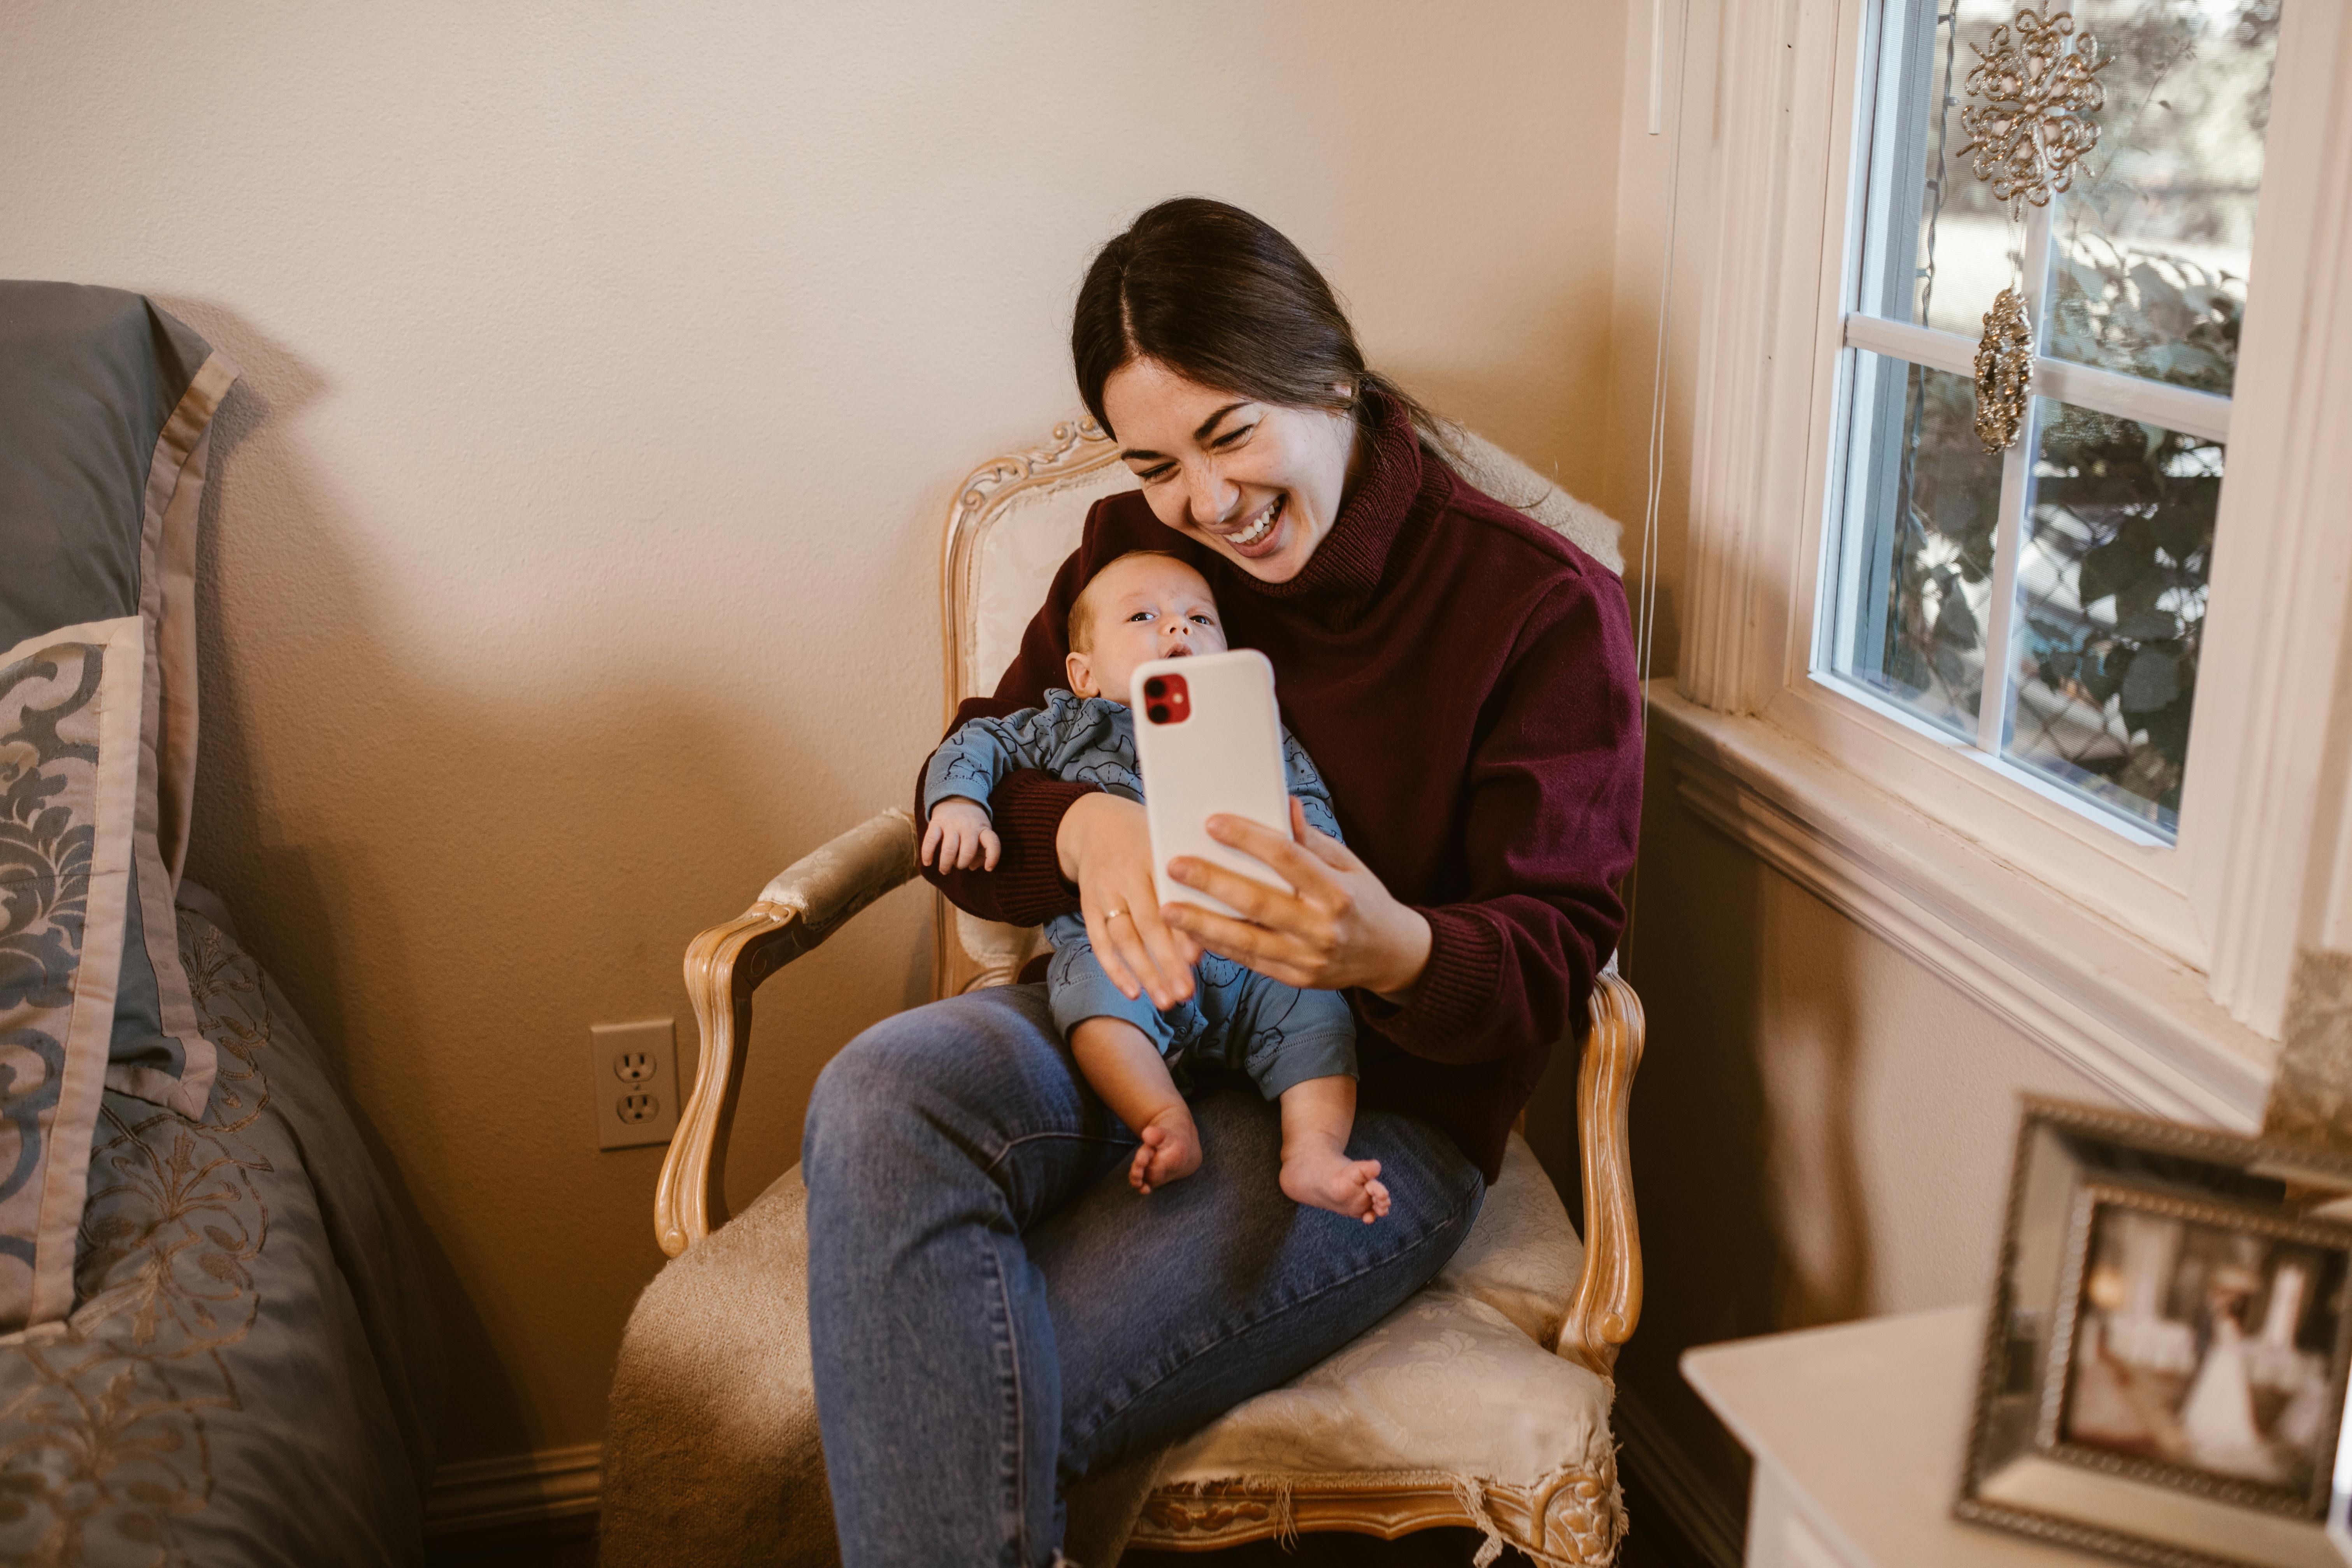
70, 712
106, 406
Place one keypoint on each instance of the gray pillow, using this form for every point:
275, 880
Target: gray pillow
106, 403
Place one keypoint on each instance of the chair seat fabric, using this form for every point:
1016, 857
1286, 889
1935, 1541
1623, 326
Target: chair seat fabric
711, 1451
1462, 1379
1461, 1388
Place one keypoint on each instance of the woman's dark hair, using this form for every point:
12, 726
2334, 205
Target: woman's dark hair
1222, 297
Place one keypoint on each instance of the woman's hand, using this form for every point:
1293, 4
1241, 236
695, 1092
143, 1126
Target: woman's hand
1105, 848
1341, 927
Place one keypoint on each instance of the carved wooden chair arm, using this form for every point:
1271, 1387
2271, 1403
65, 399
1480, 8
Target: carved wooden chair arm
805, 904
1607, 1305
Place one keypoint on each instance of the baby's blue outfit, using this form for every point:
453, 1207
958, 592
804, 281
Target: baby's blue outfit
1237, 1017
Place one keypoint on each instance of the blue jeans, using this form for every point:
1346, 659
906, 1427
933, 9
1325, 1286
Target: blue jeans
995, 1312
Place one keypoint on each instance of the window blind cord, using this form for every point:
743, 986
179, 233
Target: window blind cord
1645, 620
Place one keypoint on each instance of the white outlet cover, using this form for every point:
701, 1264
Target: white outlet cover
622, 1087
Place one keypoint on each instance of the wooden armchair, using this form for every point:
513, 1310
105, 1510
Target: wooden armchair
1483, 1402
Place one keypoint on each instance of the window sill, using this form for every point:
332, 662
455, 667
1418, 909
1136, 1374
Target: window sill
2111, 1004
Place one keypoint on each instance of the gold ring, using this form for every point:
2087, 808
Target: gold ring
1114, 914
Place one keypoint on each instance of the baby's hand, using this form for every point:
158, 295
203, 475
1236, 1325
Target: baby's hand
960, 835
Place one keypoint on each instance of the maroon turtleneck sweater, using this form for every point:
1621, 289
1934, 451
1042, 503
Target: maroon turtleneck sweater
1465, 679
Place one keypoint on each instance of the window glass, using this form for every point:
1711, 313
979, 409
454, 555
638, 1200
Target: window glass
1923, 534
1968, 248
2111, 601
2149, 274
2045, 604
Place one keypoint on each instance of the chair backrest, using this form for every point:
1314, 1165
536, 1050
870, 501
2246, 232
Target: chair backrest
1013, 524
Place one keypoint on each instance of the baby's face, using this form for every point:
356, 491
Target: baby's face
1145, 607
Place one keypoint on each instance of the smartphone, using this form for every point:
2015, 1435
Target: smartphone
1208, 739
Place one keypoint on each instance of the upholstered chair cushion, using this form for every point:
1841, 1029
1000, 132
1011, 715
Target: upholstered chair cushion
1458, 1389
711, 1451
1512, 482
712, 1457
711, 1454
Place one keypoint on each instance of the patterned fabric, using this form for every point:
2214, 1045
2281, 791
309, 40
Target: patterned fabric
68, 772
251, 1373
106, 404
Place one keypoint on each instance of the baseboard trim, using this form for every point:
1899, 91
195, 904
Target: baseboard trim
515, 1489
1700, 1516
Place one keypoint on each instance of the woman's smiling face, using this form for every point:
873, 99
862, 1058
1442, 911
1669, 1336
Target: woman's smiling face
1260, 483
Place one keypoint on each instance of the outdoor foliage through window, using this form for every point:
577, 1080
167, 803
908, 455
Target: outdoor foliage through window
2083, 555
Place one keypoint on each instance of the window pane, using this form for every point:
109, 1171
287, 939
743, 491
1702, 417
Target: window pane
1967, 246
1917, 566
2111, 605
2149, 277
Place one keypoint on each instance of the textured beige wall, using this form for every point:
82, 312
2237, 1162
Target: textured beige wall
609, 367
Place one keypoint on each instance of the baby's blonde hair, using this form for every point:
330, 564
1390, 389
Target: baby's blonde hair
1081, 629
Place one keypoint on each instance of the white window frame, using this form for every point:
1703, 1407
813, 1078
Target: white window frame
2161, 971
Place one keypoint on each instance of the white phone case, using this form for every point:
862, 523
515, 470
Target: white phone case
1224, 755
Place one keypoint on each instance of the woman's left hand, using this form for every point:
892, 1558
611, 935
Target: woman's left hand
1341, 927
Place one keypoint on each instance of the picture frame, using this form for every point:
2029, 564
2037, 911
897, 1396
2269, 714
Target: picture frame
2339, 1501
2169, 1346
2299, 1492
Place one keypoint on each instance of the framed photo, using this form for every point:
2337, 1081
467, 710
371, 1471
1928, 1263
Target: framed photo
2339, 1504
2167, 1357
2195, 1348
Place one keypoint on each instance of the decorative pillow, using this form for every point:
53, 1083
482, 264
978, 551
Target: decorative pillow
69, 711
105, 408
1512, 482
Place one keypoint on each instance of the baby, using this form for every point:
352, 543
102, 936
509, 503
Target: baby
1298, 1046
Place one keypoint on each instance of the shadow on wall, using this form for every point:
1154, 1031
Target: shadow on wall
1744, 1149
274, 888
458, 1072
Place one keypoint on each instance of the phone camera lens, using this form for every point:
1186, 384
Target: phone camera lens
1158, 713
1155, 687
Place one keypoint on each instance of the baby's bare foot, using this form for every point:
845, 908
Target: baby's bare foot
1170, 1152
1328, 1180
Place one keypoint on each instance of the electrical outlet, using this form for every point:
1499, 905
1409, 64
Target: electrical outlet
633, 1067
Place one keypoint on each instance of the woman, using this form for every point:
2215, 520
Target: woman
995, 1312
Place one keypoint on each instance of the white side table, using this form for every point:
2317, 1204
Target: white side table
1858, 1433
